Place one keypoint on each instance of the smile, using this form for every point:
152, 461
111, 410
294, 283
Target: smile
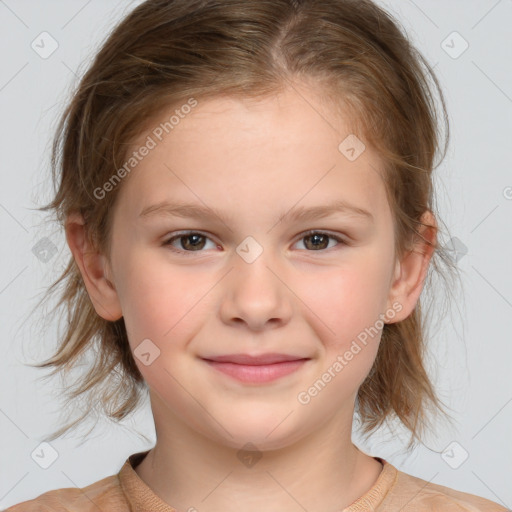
257, 373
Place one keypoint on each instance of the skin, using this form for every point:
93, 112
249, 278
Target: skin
253, 160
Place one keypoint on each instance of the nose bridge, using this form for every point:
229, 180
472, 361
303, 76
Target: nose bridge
255, 292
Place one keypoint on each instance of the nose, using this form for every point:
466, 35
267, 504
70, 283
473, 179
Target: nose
256, 294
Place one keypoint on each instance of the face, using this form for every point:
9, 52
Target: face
267, 269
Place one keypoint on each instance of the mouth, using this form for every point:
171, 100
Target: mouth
256, 369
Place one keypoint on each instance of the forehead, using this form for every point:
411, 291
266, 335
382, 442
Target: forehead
280, 150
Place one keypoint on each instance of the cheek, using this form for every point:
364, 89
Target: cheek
160, 319
155, 301
348, 319
350, 298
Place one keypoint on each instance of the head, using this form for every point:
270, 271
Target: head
254, 111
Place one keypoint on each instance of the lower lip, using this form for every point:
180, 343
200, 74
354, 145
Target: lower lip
258, 373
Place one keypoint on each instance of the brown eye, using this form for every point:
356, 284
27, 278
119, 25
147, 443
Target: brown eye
192, 242
187, 242
319, 241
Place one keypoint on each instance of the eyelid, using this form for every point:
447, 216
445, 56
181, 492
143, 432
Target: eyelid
336, 236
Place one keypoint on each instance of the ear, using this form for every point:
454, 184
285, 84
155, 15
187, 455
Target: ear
94, 268
411, 271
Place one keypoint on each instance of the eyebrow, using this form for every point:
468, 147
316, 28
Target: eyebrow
301, 213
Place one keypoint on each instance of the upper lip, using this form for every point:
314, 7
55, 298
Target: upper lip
254, 360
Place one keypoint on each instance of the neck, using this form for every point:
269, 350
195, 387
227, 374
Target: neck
321, 471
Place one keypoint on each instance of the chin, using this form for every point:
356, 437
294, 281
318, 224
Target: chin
266, 432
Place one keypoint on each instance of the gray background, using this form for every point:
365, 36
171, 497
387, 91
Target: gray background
471, 351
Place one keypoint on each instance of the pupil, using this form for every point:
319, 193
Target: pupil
195, 240
317, 240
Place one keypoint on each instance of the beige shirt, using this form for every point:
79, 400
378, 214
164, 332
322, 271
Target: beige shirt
394, 491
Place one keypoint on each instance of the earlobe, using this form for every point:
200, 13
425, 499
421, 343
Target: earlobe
94, 269
411, 271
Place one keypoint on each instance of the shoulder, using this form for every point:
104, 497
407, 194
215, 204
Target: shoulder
105, 494
410, 494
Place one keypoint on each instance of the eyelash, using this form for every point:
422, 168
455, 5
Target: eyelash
184, 234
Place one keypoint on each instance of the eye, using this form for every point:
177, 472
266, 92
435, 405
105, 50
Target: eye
193, 241
319, 240
190, 241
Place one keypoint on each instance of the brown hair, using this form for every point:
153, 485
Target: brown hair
168, 51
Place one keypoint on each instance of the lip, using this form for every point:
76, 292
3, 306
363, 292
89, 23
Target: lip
261, 359
256, 369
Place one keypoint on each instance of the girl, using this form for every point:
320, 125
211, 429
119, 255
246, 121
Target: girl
246, 190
